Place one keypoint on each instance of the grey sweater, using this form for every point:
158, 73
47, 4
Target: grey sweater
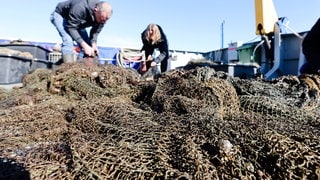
79, 15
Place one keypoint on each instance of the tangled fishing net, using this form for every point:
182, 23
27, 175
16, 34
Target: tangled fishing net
106, 122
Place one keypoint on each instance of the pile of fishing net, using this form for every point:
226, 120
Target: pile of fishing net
106, 122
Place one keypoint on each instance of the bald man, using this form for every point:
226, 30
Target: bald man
72, 17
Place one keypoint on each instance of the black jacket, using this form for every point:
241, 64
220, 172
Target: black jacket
162, 46
311, 43
79, 15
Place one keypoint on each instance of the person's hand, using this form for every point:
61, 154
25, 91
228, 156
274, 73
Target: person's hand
95, 49
153, 64
149, 58
87, 49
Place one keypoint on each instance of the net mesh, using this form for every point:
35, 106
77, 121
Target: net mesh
105, 122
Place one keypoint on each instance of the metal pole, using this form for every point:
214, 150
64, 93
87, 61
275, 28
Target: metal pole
222, 35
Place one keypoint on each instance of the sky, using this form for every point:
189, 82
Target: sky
189, 25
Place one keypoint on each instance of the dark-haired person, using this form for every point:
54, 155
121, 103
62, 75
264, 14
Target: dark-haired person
311, 50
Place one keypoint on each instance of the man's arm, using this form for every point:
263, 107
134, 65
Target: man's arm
73, 23
94, 32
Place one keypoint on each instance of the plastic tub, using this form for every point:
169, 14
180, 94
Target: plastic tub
38, 52
13, 69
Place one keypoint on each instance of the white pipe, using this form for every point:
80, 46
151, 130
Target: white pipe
277, 59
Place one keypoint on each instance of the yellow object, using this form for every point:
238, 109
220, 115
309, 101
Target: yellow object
266, 16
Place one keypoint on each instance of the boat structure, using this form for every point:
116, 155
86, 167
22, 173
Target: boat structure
277, 53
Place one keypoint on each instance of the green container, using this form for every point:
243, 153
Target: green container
246, 56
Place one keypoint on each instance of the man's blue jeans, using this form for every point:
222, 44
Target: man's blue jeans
67, 45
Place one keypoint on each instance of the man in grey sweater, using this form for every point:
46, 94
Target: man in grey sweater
72, 17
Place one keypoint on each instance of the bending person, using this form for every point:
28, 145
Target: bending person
153, 38
72, 17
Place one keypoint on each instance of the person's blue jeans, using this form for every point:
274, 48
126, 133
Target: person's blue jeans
67, 41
